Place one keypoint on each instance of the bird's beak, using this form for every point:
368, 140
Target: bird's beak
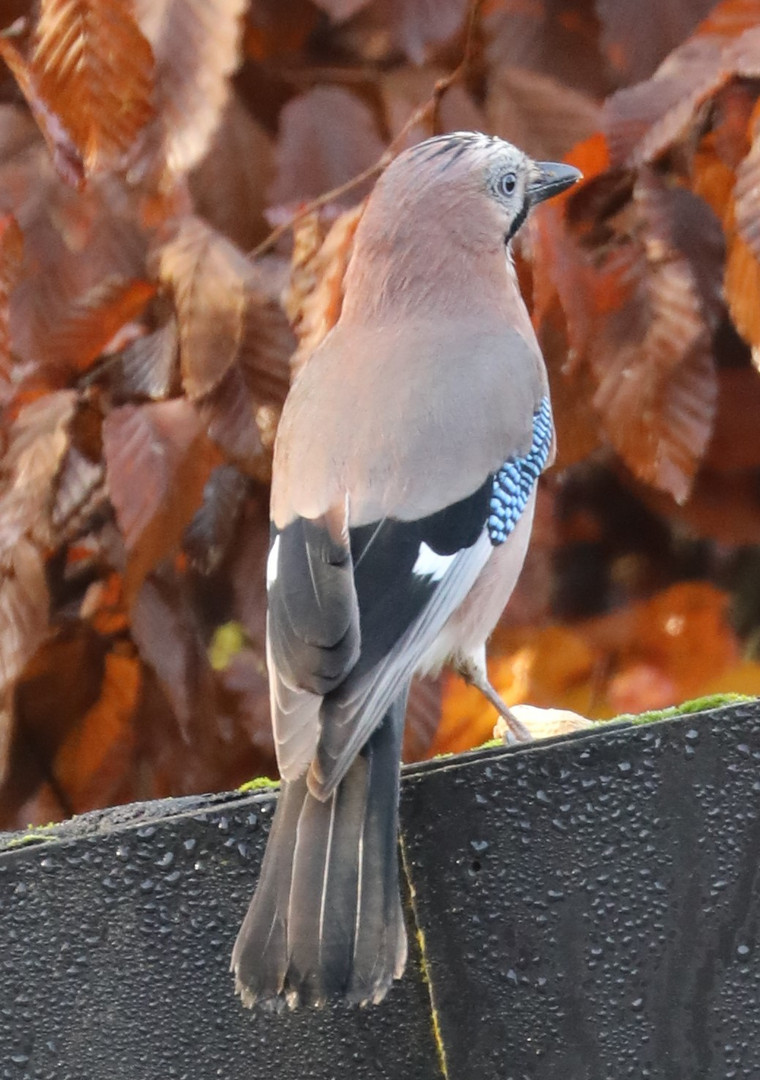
553, 177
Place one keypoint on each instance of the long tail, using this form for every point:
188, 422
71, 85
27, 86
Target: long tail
325, 920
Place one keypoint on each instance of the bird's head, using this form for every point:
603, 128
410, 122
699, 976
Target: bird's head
433, 233
470, 166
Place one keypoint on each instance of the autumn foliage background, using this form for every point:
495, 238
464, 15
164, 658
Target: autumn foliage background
148, 332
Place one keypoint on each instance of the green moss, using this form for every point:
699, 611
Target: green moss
34, 834
703, 704
491, 744
259, 783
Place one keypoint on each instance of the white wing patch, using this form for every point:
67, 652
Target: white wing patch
272, 562
431, 565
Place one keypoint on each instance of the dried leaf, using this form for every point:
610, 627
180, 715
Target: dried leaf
209, 278
730, 18
637, 39
657, 398
104, 607
641, 121
148, 366
94, 321
539, 114
747, 195
735, 443
226, 314
78, 490
245, 694
65, 156
11, 252
405, 89
93, 71
72, 243
230, 415
165, 631
340, 10
419, 24
38, 440
95, 760
636, 312
332, 130
209, 535
275, 31
557, 39
416, 28
742, 287
229, 184
157, 463
196, 45
24, 615
314, 296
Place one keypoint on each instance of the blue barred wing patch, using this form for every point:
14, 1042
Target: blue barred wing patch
517, 477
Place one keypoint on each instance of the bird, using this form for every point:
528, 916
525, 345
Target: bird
403, 487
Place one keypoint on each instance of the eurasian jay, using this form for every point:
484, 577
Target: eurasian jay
403, 488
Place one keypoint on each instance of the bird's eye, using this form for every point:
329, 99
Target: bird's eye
508, 183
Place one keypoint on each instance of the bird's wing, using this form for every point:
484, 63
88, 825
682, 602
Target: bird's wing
361, 584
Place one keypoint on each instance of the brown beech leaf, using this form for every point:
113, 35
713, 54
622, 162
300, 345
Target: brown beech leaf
639, 313
314, 296
340, 10
78, 490
93, 71
11, 253
274, 30
73, 241
742, 287
417, 28
636, 39
729, 18
229, 413
405, 89
557, 39
158, 460
168, 637
208, 277
539, 114
234, 336
24, 603
641, 121
735, 443
335, 132
79, 485
148, 365
66, 157
230, 183
418, 24
94, 320
657, 395
196, 45
210, 534
37, 442
94, 762
747, 195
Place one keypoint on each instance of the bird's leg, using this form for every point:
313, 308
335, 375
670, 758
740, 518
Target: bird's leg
473, 670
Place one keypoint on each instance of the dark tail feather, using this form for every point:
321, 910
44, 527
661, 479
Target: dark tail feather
325, 920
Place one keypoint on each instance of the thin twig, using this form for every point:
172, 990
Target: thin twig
425, 113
